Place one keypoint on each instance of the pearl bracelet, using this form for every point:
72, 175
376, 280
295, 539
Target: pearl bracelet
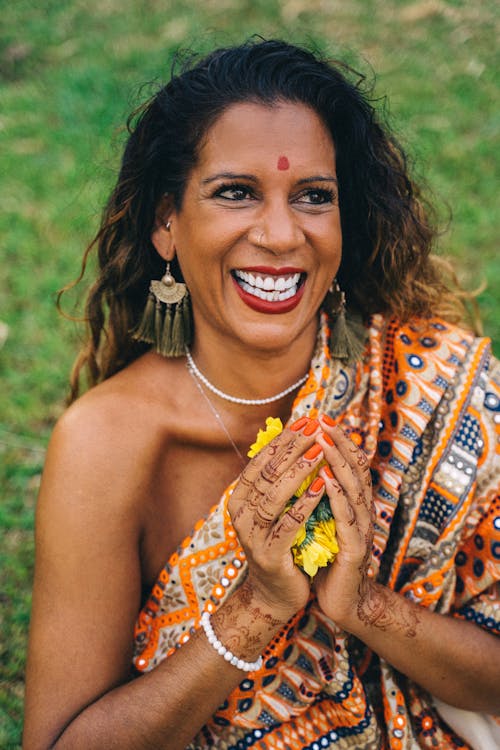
245, 666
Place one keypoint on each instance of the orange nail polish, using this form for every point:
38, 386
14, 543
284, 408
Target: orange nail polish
317, 485
328, 471
327, 438
313, 452
328, 420
311, 427
298, 425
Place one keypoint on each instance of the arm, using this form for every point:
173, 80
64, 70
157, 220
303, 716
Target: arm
87, 596
452, 659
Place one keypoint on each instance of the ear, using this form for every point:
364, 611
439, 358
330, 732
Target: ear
161, 236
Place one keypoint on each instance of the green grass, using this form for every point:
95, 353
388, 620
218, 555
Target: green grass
71, 71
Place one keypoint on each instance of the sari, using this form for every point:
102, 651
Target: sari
424, 405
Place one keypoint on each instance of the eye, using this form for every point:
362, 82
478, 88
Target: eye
233, 192
317, 197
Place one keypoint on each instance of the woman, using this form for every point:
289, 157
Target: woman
163, 618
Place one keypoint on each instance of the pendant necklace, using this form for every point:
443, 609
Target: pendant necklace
217, 417
198, 375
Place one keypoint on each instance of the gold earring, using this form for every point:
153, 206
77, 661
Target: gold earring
166, 321
347, 334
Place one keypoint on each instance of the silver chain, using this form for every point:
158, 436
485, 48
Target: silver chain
234, 399
217, 416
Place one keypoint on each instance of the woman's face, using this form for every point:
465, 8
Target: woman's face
258, 235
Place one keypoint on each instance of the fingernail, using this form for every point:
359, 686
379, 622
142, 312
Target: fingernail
298, 425
328, 471
327, 420
311, 427
327, 438
313, 452
317, 485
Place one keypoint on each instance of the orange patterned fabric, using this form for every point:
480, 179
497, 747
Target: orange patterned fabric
425, 406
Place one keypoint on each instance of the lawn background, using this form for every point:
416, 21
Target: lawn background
70, 72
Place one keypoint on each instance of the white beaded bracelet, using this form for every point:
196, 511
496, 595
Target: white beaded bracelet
245, 666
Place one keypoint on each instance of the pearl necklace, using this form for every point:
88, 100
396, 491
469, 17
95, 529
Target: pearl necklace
245, 401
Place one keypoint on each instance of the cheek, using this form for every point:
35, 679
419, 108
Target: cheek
202, 264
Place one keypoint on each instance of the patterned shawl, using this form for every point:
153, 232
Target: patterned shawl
425, 406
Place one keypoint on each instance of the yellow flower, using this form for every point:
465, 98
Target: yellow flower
318, 550
315, 544
274, 427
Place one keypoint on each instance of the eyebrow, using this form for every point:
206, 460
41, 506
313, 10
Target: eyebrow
229, 176
318, 178
252, 178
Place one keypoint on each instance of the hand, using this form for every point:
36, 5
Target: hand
342, 587
266, 533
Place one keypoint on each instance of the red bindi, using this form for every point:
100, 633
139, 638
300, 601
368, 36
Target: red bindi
283, 163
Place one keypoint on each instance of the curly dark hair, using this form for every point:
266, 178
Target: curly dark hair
387, 235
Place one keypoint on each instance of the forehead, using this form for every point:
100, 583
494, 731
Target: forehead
262, 134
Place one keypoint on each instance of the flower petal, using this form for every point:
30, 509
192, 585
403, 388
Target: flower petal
274, 427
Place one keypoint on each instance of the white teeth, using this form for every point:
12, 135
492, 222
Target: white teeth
270, 288
274, 296
269, 284
280, 284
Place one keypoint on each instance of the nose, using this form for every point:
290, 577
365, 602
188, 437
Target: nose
277, 229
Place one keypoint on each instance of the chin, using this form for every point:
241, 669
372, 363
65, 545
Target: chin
272, 338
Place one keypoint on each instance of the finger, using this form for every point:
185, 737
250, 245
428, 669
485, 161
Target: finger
272, 503
355, 456
354, 527
298, 472
343, 471
265, 470
286, 529
349, 463
343, 511
268, 465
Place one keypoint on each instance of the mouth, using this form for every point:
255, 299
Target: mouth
276, 287
270, 290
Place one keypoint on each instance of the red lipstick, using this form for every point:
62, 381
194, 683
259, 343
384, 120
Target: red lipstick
268, 271
263, 305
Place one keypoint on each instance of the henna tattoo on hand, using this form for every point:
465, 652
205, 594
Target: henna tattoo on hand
350, 513
244, 479
362, 459
246, 594
365, 563
290, 521
376, 609
261, 519
297, 516
335, 485
232, 626
360, 498
273, 468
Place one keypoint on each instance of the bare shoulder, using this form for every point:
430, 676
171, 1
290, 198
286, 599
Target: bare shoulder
100, 472
109, 439
126, 403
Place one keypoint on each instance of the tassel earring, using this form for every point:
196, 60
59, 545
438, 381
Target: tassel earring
166, 321
348, 334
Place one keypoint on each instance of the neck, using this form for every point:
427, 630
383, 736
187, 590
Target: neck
250, 373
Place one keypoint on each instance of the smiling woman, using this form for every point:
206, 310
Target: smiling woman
265, 252
242, 216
